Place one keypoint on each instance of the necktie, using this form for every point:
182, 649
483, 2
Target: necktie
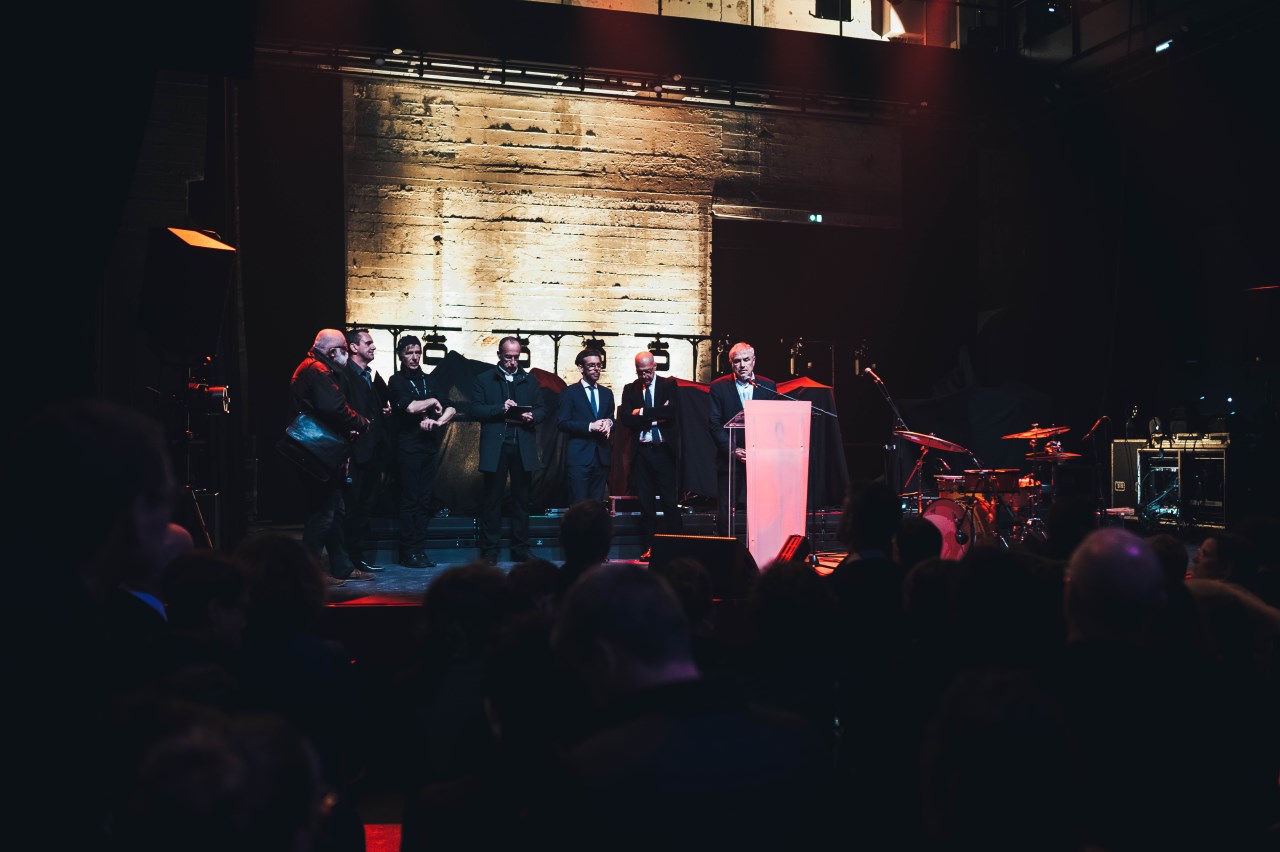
654, 435
595, 407
368, 377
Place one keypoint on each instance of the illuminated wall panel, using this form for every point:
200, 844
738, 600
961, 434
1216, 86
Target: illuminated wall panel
498, 210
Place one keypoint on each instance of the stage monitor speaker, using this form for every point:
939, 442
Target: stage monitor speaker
184, 294
732, 569
1124, 472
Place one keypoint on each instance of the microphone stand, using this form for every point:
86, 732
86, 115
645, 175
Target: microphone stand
899, 425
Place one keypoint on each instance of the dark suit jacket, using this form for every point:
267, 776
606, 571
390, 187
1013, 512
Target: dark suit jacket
368, 401
665, 410
584, 446
725, 404
489, 395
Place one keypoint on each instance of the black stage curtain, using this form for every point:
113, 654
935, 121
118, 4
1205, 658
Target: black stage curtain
459, 483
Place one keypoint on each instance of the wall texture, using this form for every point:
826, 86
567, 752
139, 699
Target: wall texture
567, 212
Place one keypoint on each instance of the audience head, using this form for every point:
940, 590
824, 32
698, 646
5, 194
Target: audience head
1172, 554
1225, 556
917, 538
871, 514
586, 533
287, 586
998, 767
250, 783
463, 609
792, 610
691, 581
538, 580
1069, 520
206, 592
110, 455
1114, 585
621, 629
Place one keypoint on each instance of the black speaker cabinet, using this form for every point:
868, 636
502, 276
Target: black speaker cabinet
1124, 472
730, 565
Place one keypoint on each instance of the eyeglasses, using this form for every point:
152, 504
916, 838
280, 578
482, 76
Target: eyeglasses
335, 350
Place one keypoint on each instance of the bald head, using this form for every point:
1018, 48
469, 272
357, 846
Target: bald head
1114, 583
646, 367
331, 343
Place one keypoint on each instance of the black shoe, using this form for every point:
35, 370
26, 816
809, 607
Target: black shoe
365, 566
412, 559
424, 561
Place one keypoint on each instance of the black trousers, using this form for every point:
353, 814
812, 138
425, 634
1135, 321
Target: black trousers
509, 468
586, 481
323, 530
654, 478
359, 498
417, 487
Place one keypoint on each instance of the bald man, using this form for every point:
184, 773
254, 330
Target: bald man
321, 386
651, 410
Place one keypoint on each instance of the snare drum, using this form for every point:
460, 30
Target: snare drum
950, 487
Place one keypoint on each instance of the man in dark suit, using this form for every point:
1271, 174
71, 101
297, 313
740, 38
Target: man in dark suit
369, 453
651, 409
728, 397
508, 447
586, 416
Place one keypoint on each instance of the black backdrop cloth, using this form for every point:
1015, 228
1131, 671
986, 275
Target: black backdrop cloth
459, 483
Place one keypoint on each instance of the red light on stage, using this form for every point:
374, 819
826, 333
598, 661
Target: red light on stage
200, 239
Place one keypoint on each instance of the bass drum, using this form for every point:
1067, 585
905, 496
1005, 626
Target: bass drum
962, 523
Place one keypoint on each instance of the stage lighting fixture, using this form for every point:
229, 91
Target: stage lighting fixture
596, 343
833, 10
433, 348
661, 355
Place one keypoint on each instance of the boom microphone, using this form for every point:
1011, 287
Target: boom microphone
1094, 427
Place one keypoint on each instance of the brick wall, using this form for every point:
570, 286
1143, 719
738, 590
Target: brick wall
565, 212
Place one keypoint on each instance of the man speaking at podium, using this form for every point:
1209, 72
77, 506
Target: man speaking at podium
729, 395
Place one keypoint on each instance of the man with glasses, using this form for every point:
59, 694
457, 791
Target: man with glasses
507, 404
586, 416
320, 385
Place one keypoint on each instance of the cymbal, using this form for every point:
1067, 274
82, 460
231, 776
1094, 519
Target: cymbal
929, 441
1039, 432
1052, 456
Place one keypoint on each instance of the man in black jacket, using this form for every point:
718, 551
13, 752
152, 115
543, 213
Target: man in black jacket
369, 454
320, 386
651, 409
421, 418
506, 403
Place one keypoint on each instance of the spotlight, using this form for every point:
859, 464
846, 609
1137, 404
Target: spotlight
661, 355
433, 348
596, 343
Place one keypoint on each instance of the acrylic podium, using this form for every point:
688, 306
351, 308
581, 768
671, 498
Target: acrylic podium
776, 437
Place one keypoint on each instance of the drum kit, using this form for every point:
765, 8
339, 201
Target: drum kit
987, 505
